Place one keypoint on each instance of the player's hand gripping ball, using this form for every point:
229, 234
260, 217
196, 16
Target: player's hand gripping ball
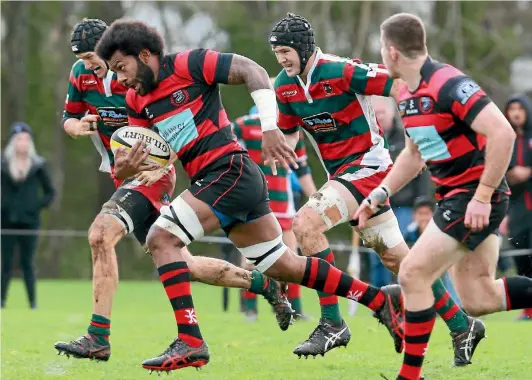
159, 149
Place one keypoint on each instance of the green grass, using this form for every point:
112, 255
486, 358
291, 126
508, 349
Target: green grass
143, 326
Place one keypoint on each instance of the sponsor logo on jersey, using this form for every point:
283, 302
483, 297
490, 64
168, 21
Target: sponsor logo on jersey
426, 104
411, 107
113, 116
322, 122
89, 82
289, 93
465, 90
402, 108
179, 97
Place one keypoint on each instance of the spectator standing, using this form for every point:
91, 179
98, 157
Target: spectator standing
26, 191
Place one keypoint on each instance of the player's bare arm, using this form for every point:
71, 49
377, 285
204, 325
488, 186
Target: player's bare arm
86, 126
407, 166
275, 148
491, 123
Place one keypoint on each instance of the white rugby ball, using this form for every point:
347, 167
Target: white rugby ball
126, 137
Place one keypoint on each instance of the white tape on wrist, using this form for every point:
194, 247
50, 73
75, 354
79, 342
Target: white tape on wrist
267, 105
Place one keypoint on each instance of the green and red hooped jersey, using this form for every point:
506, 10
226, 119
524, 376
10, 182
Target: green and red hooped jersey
249, 134
334, 109
99, 96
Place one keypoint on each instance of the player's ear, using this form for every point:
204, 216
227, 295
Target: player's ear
394, 53
144, 56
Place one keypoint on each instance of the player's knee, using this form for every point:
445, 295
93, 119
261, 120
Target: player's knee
100, 236
409, 275
159, 239
303, 226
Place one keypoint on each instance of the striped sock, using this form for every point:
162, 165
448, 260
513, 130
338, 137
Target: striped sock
250, 300
294, 297
330, 310
322, 276
517, 292
176, 281
454, 317
100, 328
418, 326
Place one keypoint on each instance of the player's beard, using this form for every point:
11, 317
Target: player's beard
145, 77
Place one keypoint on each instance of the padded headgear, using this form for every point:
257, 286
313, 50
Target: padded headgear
296, 32
86, 35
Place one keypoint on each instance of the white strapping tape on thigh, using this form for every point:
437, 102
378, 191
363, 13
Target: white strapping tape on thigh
326, 198
180, 220
387, 232
264, 255
122, 216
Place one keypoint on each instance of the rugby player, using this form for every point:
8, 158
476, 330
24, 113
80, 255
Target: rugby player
329, 98
179, 94
95, 107
454, 129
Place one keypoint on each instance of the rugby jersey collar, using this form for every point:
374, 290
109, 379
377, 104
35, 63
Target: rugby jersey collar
306, 86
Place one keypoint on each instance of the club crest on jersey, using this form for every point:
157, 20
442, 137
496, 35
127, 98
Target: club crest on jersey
426, 104
322, 122
327, 88
113, 116
179, 97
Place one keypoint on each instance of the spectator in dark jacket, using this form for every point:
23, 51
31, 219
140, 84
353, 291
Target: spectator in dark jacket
518, 225
26, 190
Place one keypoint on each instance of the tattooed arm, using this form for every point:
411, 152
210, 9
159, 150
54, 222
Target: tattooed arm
275, 148
244, 70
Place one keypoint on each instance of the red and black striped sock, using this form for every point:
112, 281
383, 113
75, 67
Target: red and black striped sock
418, 327
322, 276
518, 292
176, 281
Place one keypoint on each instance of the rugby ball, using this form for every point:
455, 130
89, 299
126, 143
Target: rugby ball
126, 137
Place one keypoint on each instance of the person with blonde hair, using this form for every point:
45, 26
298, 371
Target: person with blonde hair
26, 191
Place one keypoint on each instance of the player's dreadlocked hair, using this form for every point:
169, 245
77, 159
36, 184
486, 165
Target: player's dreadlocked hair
296, 32
130, 38
86, 35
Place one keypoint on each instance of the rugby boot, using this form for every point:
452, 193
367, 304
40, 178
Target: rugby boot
281, 306
464, 344
391, 315
85, 347
324, 338
178, 355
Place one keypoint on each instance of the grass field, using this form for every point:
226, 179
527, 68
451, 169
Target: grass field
143, 326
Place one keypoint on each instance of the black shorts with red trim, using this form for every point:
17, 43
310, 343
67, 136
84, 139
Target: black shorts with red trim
450, 214
235, 189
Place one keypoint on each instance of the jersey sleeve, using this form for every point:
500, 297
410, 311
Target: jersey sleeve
367, 78
134, 117
287, 121
203, 66
75, 106
463, 98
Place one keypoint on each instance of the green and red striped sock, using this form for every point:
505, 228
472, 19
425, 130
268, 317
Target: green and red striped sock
100, 328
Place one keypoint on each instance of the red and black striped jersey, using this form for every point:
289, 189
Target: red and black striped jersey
187, 110
437, 117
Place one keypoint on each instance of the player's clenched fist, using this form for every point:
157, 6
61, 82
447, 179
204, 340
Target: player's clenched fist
86, 126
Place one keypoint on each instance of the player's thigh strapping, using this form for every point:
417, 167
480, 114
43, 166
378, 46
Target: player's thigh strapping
235, 190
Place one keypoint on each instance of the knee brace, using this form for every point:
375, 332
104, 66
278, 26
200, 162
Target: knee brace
264, 255
385, 234
180, 220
